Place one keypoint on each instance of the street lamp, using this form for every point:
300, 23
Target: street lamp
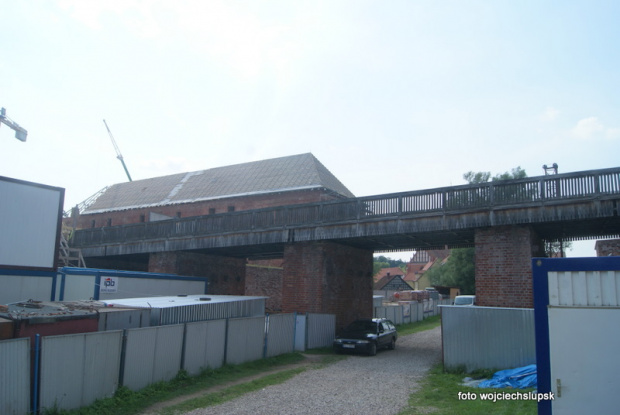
20, 133
553, 169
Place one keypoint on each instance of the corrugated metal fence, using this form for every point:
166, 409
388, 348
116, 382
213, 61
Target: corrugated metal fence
487, 337
77, 369
15, 376
152, 354
321, 330
411, 311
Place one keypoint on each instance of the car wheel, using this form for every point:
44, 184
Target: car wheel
392, 345
373, 349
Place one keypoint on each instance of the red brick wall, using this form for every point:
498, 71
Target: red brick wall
226, 275
608, 247
503, 266
24, 328
129, 216
325, 277
265, 281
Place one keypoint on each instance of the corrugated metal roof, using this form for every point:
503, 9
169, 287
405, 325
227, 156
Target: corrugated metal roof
176, 301
301, 171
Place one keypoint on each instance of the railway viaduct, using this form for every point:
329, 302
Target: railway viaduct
328, 246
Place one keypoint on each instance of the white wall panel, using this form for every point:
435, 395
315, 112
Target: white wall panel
584, 344
584, 288
17, 288
29, 219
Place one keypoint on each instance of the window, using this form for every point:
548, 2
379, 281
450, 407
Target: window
231, 208
109, 223
142, 218
211, 211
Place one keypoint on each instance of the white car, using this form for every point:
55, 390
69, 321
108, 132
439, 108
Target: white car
466, 300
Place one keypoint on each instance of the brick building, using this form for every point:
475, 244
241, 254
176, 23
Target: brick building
280, 181
260, 184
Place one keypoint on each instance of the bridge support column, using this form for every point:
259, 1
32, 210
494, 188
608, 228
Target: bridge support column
226, 274
325, 277
504, 266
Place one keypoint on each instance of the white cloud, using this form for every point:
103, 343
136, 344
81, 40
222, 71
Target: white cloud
550, 114
589, 129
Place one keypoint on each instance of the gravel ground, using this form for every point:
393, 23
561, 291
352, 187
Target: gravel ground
357, 385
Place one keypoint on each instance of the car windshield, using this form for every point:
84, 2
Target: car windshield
463, 301
362, 325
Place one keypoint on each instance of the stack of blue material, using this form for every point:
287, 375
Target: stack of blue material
519, 378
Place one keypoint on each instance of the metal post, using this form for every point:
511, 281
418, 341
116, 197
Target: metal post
35, 391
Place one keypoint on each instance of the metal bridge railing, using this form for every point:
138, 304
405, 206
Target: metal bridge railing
492, 195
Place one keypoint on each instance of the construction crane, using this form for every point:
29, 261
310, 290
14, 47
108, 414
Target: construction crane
118, 151
20, 133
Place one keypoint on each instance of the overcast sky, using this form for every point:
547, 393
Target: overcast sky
389, 95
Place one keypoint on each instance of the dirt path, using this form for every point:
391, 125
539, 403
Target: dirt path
309, 361
358, 384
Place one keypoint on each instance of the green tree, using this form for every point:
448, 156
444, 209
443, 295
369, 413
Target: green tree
378, 266
484, 176
458, 271
557, 249
381, 262
475, 178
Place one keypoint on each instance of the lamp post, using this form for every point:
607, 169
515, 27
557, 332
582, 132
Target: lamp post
20, 133
553, 169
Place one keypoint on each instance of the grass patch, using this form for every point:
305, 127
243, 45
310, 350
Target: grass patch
128, 402
426, 324
439, 395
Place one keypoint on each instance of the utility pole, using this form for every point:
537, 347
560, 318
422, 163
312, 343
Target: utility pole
20, 133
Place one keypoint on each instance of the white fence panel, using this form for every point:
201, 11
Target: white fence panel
420, 307
205, 345
245, 339
78, 369
300, 332
280, 334
321, 330
15, 376
152, 354
406, 313
413, 312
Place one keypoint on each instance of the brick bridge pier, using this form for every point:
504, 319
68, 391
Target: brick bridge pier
326, 277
